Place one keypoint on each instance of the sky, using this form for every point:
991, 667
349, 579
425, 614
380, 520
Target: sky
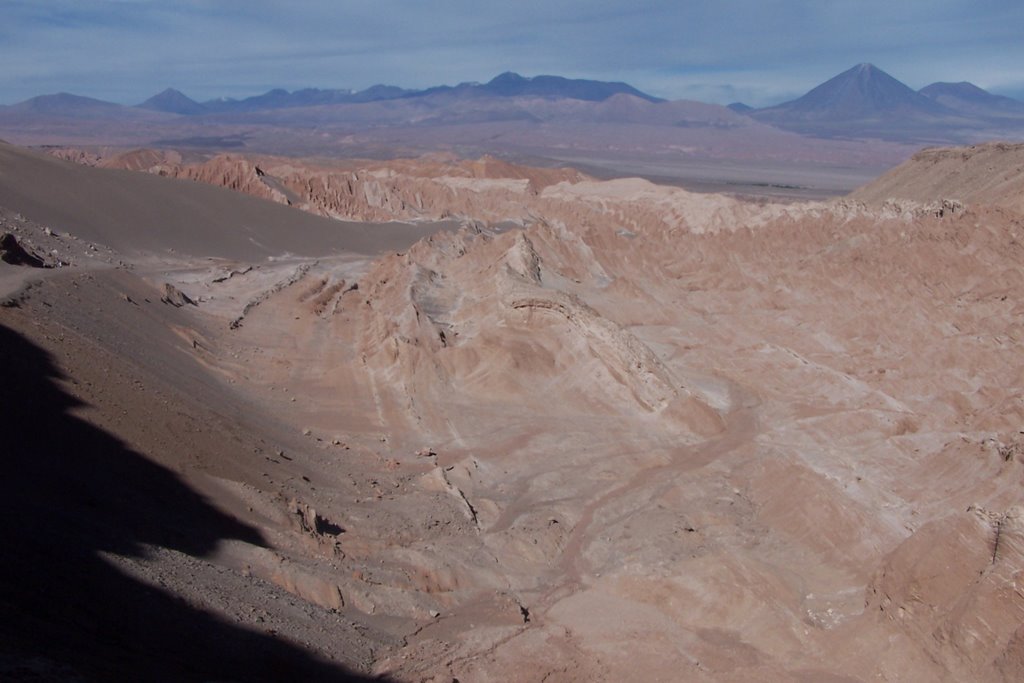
756, 51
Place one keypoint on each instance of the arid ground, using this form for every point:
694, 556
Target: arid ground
502, 423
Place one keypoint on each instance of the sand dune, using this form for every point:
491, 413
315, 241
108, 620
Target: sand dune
135, 212
601, 431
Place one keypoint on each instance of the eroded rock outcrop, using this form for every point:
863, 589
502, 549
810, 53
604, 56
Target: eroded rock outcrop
991, 174
175, 297
13, 253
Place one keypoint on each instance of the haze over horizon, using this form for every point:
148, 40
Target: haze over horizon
761, 53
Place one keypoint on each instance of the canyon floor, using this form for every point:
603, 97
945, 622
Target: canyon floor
508, 424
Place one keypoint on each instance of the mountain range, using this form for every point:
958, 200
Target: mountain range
861, 100
867, 102
536, 115
505, 85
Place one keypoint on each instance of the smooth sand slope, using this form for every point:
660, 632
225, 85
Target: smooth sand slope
136, 212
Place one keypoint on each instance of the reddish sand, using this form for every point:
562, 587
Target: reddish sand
604, 431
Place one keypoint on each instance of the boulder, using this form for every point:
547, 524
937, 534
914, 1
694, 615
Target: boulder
12, 252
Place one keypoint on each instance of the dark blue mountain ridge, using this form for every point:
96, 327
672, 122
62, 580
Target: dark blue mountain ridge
964, 96
71, 106
862, 102
863, 92
510, 84
173, 102
62, 101
505, 85
279, 98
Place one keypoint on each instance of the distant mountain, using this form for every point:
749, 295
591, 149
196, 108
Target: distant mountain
66, 105
513, 111
867, 102
969, 98
507, 85
377, 93
272, 99
308, 97
173, 102
864, 91
511, 84
630, 109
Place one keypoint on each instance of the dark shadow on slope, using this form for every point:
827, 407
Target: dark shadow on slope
68, 491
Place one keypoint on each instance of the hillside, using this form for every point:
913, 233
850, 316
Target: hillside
990, 174
138, 212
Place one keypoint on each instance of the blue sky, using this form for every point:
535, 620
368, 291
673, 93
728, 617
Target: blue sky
757, 51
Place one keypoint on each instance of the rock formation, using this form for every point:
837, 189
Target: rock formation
13, 253
598, 430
